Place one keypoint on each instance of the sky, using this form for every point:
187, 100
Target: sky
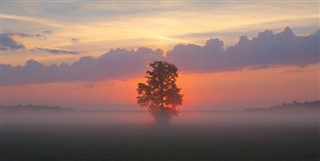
231, 55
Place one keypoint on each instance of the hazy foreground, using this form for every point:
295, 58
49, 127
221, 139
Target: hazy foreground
72, 135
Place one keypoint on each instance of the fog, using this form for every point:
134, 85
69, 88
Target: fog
133, 135
307, 116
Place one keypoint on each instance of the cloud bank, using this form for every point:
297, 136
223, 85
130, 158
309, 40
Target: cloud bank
115, 64
265, 50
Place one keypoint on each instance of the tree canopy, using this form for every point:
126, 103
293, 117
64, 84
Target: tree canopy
160, 93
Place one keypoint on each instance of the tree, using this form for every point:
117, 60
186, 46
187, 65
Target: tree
160, 94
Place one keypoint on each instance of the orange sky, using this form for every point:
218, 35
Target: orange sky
224, 90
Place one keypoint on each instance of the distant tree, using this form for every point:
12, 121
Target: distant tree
160, 94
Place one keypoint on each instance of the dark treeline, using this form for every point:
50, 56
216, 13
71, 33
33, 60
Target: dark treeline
285, 106
31, 107
313, 105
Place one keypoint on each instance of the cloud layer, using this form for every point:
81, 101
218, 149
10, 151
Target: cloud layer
265, 50
8, 42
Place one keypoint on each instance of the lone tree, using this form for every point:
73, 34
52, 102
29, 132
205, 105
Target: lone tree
160, 94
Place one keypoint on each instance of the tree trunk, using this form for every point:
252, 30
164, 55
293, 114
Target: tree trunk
163, 117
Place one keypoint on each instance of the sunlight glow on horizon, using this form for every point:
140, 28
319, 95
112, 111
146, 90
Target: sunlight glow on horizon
223, 90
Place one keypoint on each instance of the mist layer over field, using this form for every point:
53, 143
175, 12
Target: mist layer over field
132, 135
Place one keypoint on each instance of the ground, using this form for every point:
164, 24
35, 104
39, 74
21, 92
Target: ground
260, 142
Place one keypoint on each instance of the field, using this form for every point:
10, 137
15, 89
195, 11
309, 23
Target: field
219, 140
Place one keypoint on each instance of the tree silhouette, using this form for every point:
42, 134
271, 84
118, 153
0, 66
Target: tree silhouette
160, 94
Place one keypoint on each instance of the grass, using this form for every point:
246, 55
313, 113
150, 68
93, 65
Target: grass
149, 143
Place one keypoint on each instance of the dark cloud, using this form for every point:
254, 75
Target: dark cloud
26, 35
116, 64
294, 71
91, 84
225, 34
23, 35
47, 32
266, 50
8, 43
59, 51
74, 40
